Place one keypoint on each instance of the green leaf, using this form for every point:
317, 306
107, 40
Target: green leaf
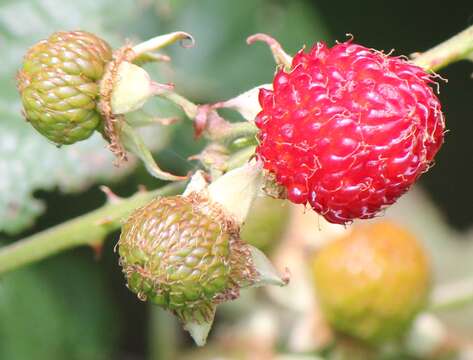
222, 63
28, 162
59, 310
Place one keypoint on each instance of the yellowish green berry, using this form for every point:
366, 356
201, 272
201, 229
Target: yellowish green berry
59, 85
372, 282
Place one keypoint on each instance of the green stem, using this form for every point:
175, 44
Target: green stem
459, 47
163, 335
452, 296
89, 229
228, 132
240, 157
187, 106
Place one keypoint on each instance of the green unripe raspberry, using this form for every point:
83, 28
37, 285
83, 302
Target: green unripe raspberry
179, 252
59, 85
372, 282
265, 227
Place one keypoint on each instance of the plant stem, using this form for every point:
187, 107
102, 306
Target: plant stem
187, 106
231, 131
459, 47
89, 229
452, 296
163, 334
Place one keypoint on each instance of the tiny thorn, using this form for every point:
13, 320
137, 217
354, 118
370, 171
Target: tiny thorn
286, 276
112, 198
195, 157
166, 121
105, 221
97, 248
160, 57
158, 88
142, 188
201, 120
280, 56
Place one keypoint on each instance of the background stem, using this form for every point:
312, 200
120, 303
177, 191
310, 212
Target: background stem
452, 296
163, 334
458, 47
89, 229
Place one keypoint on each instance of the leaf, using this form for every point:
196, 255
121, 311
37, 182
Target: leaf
59, 310
28, 162
222, 63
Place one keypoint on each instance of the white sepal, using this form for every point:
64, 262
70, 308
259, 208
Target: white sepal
199, 331
132, 88
236, 190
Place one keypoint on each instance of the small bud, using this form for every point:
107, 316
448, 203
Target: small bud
133, 87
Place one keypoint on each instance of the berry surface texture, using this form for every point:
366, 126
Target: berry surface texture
59, 85
348, 129
176, 253
372, 282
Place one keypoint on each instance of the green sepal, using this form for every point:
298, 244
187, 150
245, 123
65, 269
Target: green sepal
134, 143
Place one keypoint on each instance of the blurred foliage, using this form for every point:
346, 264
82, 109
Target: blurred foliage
58, 311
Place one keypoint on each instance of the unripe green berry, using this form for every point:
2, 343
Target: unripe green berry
372, 282
59, 85
265, 227
183, 253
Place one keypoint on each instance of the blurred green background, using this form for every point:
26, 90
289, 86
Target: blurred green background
74, 306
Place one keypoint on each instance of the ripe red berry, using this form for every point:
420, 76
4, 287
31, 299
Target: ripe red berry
348, 129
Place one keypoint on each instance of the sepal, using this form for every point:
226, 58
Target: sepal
133, 142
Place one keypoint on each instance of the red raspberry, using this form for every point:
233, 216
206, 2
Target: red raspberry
348, 129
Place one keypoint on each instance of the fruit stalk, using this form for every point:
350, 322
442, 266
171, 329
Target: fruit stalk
189, 108
89, 229
458, 47
452, 296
